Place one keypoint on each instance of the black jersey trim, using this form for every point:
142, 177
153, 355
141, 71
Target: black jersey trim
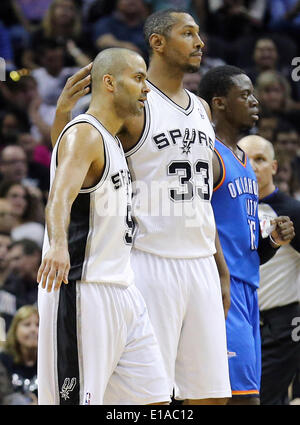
243, 162
222, 176
145, 132
67, 347
185, 111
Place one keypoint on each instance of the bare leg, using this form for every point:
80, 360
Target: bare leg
163, 403
206, 401
247, 401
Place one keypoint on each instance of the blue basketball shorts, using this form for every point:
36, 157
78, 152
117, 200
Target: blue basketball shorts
243, 340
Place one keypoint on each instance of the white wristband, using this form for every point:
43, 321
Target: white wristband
275, 243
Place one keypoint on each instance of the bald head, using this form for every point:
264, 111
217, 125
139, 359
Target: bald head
257, 143
261, 156
111, 61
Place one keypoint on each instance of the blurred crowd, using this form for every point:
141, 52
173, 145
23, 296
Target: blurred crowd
43, 42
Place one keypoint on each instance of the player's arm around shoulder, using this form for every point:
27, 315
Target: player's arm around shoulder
80, 164
75, 88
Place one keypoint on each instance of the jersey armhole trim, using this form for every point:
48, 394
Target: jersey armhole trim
203, 107
104, 173
145, 132
222, 171
106, 155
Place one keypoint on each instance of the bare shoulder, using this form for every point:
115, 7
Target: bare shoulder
206, 107
82, 139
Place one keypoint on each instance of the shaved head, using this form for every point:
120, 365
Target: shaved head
261, 156
255, 142
111, 61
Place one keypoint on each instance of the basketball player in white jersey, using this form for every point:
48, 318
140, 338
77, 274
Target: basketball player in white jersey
176, 246
96, 324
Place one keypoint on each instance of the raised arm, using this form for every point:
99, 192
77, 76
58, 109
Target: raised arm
76, 87
80, 164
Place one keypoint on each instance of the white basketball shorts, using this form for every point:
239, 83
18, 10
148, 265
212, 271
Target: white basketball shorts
97, 346
185, 306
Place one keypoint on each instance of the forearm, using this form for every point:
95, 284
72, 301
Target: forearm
60, 121
43, 127
265, 250
57, 216
224, 275
219, 258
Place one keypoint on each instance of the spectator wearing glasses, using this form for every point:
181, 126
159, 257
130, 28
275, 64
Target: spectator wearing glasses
14, 166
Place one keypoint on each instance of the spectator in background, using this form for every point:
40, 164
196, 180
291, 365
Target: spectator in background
15, 167
7, 217
28, 211
23, 97
5, 241
196, 8
30, 12
274, 94
62, 24
230, 19
19, 355
92, 10
266, 58
287, 139
284, 16
123, 27
24, 258
6, 50
52, 74
285, 178
13, 163
11, 124
191, 81
211, 56
6, 388
35, 152
266, 125
278, 292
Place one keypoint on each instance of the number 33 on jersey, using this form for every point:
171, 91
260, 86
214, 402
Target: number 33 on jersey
173, 179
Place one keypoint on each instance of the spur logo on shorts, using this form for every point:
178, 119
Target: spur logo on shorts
67, 387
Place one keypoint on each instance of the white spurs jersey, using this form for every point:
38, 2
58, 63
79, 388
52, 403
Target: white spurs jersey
100, 230
171, 170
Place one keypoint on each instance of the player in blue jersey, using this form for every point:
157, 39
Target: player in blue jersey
229, 92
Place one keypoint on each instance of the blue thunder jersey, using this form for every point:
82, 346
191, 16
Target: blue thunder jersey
235, 201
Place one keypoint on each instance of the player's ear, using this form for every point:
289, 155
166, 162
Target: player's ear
157, 42
274, 167
218, 103
109, 82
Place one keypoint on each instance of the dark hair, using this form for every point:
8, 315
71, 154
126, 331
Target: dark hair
28, 245
217, 82
160, 22
5, 185
5, 233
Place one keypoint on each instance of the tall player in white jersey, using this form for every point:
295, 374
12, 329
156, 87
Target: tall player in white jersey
97, 324
176, 247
